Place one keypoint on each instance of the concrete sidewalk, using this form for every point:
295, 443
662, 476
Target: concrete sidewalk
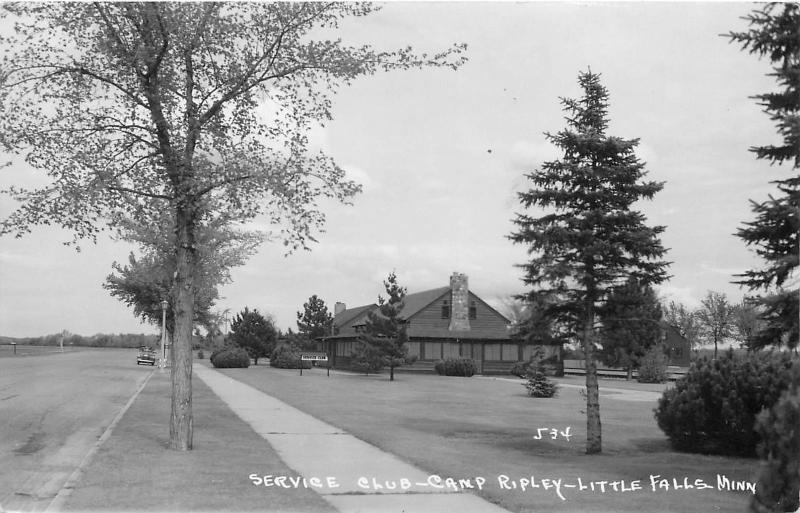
349, 473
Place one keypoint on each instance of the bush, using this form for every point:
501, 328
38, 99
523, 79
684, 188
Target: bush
456, 367
230, 358
778, 487
522, 369
539, 385
200, 355
653, 365
713, 408
286, 357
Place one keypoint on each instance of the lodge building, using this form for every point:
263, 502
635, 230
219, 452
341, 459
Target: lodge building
446, 322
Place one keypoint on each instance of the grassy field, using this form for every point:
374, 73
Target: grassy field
134, 471
8, 350
469, 427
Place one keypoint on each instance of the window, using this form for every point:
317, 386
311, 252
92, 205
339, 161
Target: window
433, 350
527, 352
473, 310
446, 309
413, 348
450, 350
510, 352
491, 352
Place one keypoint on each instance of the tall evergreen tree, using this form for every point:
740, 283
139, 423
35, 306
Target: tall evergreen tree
774, 34
588, 241
314, 321
631, 325
385, 331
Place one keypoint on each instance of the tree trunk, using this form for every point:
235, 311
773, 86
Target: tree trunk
181, 425
630, 372
391, 373
593, 428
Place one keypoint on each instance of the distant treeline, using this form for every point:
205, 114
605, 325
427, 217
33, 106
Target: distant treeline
99, 340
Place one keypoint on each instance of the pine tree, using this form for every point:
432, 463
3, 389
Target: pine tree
314, 321
254, 333
588, 241
631, 325
774, 34
385, 331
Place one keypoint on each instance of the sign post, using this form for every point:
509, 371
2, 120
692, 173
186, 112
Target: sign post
313, 357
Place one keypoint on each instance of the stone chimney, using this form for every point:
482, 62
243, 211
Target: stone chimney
459, 292
339, 308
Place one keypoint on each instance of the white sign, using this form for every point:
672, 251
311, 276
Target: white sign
317, 357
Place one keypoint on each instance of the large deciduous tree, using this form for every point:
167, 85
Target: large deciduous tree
148, 279
717, 319
588, 240
120, 103
684, 319
774, 34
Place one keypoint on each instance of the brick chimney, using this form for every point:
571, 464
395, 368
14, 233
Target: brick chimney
339, 308
459, 292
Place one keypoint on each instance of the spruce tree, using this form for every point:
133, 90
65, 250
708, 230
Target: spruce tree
631, 325
774, 33
385, 331
588, 241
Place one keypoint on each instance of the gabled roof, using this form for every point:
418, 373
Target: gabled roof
412, 304
350, 314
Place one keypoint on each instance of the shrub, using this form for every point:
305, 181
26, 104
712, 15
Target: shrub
653, 365
778, 487
713, 408
522, 369
286, 357
539, 385
456, 367
200, 355
230, 358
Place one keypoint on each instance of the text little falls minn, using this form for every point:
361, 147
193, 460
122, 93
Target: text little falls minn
561, 487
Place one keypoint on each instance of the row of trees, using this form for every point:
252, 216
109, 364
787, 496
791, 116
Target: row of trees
142, 114
589, 246
590, 249
257, 334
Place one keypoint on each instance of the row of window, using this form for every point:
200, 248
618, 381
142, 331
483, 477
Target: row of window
447, 310
442, 350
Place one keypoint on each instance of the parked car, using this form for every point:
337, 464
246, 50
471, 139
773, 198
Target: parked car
146, 356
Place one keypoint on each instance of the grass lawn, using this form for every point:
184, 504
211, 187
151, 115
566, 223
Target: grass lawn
134, 470
468, 427
8, 350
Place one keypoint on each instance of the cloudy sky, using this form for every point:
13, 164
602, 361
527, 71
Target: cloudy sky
441, 155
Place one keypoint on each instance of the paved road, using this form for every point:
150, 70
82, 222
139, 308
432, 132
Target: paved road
53, 408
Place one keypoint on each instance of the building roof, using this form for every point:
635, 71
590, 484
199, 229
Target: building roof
412, 305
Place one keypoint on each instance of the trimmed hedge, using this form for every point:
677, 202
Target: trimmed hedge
286, 357
456, 367
230, 358
713, 408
